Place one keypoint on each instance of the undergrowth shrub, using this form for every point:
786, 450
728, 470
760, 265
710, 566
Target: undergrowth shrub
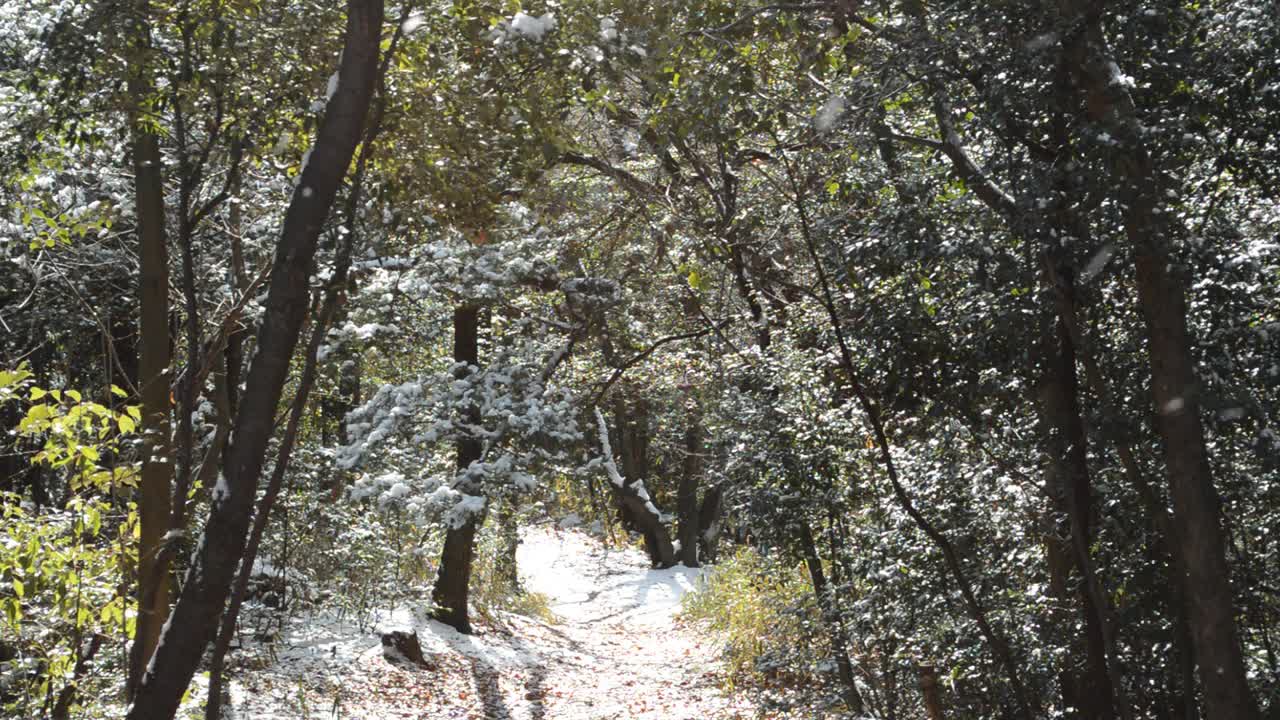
64, 570
359, 561
763, 607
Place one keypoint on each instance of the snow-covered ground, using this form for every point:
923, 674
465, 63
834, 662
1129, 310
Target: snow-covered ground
589, 584
618, 651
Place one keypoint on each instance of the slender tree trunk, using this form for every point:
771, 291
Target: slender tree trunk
687, 507
194, 620
453, 581
153, 357
1174, 387
930, 692
709, 524
1058, 559
1196, 507
1065, 444
999, 645
326, 317
830, 616
506, 570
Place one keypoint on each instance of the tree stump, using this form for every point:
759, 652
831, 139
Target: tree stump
401, 647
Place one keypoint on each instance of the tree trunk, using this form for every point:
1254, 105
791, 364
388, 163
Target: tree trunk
1196, 509
1058, 560
830, 616
929, 691
687, 507
328, 314
1065, 445
505, 570
638, 512
453, 581
1162, 300
634, 502
1000, 646
709, 521
194, 619
153, 358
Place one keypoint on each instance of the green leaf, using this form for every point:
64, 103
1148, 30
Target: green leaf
13, 612
37, 393
10, 378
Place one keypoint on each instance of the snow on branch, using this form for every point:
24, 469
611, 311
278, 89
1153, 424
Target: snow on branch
610, 466
635, 488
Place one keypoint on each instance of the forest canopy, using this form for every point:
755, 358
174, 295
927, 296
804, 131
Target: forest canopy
942, 339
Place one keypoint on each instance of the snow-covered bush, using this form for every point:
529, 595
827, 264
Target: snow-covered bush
518, 421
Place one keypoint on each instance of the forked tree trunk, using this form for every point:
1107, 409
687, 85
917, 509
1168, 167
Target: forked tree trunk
153, 359
194, 620
637, 511
1174, 387
453, 580
1064, 440
633, 500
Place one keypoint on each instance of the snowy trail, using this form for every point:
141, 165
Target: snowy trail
632, 659
617, 653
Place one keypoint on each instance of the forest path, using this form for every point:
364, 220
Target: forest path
628, 655
617, 652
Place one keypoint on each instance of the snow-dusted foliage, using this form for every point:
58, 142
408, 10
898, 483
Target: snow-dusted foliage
520, 424
523, 26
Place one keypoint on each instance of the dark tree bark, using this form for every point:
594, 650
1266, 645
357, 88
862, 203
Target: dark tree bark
153, 357
453, 581
830, 616
637, 511
1058, 559
657, 538
505, 570
328, 314
1069, 482
194, 620
1174, 387
633, 437
633, 501
690, 477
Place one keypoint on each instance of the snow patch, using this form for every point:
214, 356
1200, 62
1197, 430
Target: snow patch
829, 114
